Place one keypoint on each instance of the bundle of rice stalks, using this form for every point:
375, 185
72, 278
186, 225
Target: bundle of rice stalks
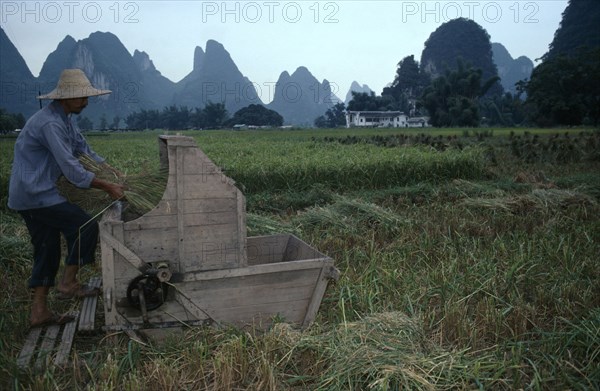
369, 215
460, 188
264, 225
325, 219
142, 191
352, 216
538, 199
537, 179
389, 351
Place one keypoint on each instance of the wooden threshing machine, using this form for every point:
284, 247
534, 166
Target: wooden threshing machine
188, 261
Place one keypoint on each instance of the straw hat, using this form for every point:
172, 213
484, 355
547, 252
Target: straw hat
73, 84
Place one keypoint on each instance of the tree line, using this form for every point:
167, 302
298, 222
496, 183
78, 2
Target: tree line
211, 116
563, 90
458, 97
10, 122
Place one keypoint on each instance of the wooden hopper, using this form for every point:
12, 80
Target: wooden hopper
188, 261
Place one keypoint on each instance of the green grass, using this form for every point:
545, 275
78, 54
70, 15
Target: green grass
457, 271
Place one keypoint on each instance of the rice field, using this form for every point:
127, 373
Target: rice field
468, 260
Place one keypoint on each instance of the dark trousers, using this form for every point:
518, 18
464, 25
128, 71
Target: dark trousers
45, 226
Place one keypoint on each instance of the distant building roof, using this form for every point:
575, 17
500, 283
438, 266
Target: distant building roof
377, 113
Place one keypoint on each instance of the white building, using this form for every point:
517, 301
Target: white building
418, 122
384, 119
376, 119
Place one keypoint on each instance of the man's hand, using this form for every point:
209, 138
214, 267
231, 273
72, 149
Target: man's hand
114, 190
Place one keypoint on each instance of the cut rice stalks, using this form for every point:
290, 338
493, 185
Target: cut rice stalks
390, 351
538, 199
142, 191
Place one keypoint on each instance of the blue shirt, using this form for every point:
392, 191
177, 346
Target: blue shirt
47, 148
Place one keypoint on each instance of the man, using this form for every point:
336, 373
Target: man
47, 148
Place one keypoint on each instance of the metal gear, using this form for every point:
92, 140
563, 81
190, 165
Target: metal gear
146, 292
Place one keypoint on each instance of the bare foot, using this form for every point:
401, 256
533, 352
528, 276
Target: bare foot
39, 306
68, 289
79, 292
53, 319
40, 315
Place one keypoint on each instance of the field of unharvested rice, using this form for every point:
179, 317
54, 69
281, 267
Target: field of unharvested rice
468, 259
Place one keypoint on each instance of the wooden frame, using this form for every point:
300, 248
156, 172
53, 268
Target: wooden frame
198, 231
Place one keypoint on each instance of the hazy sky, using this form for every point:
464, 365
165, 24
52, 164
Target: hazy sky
340, 41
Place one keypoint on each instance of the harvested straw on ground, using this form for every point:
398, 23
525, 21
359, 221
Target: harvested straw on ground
537, 199
390, 351
142, 191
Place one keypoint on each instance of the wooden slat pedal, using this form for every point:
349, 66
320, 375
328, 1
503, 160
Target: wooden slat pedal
66, 343
88, 307
47, 348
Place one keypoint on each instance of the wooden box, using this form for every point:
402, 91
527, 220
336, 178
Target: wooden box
190, 257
